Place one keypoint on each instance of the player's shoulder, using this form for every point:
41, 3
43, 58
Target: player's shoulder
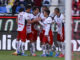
31, 14
27, 14
21, 13
62, 15
55, 16
52, 15
49, 18
38, 14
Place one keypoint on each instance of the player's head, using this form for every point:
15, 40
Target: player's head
75, 8
56, 10
28, 8
44, 8
46, 13
21, 9
35, 10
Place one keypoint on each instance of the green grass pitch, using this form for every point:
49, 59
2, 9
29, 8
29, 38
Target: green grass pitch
6, 55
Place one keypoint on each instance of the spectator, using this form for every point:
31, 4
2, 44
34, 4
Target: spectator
3, 9
79, 8
9, 8
37, 3
46, 2
4, 2
11, 2
75, 11
22, 2
29, 2
20, 6
74, 3
14, 7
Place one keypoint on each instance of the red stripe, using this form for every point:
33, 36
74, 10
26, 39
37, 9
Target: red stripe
8, 17
75, 17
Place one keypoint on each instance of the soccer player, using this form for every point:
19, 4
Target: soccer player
23, 20
54, 29
35, 29
42, 20
32, 29
46, 41
22, 17
59, 20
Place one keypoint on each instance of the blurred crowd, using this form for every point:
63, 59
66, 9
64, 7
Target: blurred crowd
76, 8
13, 6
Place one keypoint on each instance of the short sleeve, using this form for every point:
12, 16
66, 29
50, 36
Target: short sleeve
62, 17
31, 16
49, 20
26, 16
55, 19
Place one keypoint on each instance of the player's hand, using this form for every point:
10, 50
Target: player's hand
39, 19
61, 37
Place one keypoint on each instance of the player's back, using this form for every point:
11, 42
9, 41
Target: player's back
21, 21
47, 23
21, 17
59, 19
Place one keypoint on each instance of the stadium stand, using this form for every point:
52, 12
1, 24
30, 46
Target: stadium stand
13, 6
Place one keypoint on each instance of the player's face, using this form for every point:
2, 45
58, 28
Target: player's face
55, 12
37, 11
28, 10
45, 14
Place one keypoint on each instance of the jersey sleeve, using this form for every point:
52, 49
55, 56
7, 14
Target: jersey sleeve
49, 21
26, 16
31, 16
62, 18
55, 19
41, 23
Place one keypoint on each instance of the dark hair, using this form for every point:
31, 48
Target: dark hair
57, 9
47, 11
34, 8
45, 6
28, 7
21, 9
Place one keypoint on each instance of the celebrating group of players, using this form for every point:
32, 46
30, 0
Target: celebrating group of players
32, 25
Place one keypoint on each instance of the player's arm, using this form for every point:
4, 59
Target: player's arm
42, 24
33, 20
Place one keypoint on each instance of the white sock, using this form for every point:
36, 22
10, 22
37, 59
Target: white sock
55, 47
59, 44
63, 48
44, 49
18, 46
33, 47
22, 46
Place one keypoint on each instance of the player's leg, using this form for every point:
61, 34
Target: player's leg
41, 35
33, 43
23, 40
44, 41
50, 43
17, 44
62, 44
59, 45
